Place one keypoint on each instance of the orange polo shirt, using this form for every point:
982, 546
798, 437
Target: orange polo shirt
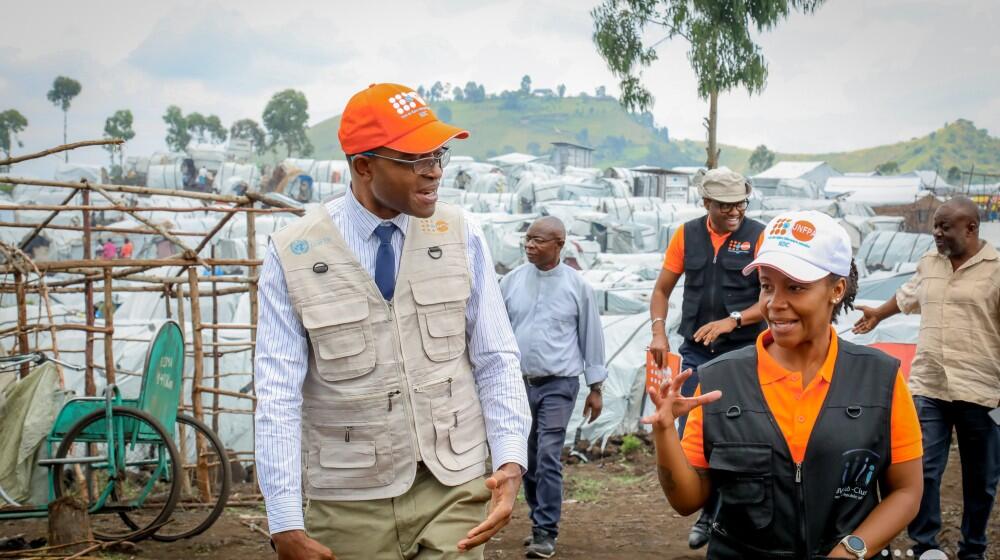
796, 408
674, 259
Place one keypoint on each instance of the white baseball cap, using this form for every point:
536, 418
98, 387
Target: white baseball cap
806, 246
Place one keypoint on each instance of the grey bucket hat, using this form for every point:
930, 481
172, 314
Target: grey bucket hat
723, 184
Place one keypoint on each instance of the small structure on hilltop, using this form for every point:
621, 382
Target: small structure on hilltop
565, 154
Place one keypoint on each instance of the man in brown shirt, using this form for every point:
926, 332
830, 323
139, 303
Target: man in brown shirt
955, 377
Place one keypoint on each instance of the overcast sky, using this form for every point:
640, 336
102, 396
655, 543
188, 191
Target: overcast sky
855, 74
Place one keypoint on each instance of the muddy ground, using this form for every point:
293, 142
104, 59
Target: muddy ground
614, 510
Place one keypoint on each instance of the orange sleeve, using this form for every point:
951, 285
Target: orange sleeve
906, 443
760, 241
674, 259
693, 443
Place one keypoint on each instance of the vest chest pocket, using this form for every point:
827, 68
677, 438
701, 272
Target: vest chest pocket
350, 456
341, 337
440, 304
460, 437
744, 478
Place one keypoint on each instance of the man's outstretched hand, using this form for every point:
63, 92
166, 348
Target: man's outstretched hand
504, 484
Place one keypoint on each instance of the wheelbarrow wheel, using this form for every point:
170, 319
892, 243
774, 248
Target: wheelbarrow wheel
142, 480
204, 488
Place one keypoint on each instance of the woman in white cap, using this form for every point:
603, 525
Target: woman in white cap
812, 442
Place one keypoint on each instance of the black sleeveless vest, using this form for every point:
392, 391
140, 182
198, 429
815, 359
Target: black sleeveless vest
770, 506
714, 285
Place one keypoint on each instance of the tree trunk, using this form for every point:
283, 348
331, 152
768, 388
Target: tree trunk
66, 153
68, 521
713, 121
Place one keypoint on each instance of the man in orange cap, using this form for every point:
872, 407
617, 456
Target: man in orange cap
386, 368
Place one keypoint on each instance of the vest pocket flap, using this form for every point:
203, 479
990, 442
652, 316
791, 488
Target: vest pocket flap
341, 344
347, 455
450, 322
440, 290
741, 458
327, 314
745, 490
466, 435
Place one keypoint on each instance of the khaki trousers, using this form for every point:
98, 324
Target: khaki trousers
425, 523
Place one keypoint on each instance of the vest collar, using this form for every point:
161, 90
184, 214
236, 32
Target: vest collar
364, 222
770, 371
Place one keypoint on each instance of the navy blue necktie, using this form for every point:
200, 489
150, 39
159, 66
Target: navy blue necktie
385, 261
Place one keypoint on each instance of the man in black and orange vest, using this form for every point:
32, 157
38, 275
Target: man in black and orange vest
720, 311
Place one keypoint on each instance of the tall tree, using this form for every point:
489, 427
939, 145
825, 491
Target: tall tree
248, 129
178, 136
11, 123
457, 94
285, 118
436, 92
561, 89
119, 125
761, 158
62, 93
887, 168
526, 85
721, 50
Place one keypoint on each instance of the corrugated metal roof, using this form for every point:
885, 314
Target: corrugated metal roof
788, 169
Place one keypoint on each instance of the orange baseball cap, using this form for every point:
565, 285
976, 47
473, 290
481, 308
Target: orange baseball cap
393, 116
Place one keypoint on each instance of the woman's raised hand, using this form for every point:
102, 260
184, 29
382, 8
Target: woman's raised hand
670, 404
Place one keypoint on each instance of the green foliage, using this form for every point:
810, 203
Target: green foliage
561, 90
206, 128
761, 159
954, 175
178, 136
888, 168
285, 119
630, 444
526, 85
458, 94
118, 125
12, 122
63, 91
248, 129
583, 489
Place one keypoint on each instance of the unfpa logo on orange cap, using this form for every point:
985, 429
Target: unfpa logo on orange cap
406, 104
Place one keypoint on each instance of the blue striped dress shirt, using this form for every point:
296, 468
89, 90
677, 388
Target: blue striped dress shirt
283, 353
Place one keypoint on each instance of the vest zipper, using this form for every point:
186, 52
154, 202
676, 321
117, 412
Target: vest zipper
801, 503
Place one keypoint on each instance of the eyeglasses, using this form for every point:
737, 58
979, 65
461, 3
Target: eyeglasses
726, 207
536, 240
420, 166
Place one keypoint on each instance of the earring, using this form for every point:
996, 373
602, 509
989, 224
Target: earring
835, 301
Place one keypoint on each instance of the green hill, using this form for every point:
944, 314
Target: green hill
528, 124
959, 144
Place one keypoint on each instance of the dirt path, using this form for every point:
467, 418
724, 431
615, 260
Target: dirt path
613, 510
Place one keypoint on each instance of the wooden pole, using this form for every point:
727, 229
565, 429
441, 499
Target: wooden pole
22, 321
196, 388
216, 360
90, 389
252, 274
109, 332
64, 148
103, 229
39, 227
96, 265
127, 188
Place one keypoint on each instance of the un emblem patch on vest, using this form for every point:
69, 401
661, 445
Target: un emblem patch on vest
299, 247
434, 226
858, 474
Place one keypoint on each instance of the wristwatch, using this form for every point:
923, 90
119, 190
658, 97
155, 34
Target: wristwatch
855, 545
597, 387
738, 317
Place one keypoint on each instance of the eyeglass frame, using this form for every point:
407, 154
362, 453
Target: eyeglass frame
441, 160
727, 207
538, 240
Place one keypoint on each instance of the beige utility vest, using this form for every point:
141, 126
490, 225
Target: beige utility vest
389, 383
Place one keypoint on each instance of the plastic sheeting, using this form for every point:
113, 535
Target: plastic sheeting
886, 250
30, 411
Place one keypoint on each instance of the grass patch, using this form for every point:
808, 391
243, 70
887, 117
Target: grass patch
631, 444
583, 489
